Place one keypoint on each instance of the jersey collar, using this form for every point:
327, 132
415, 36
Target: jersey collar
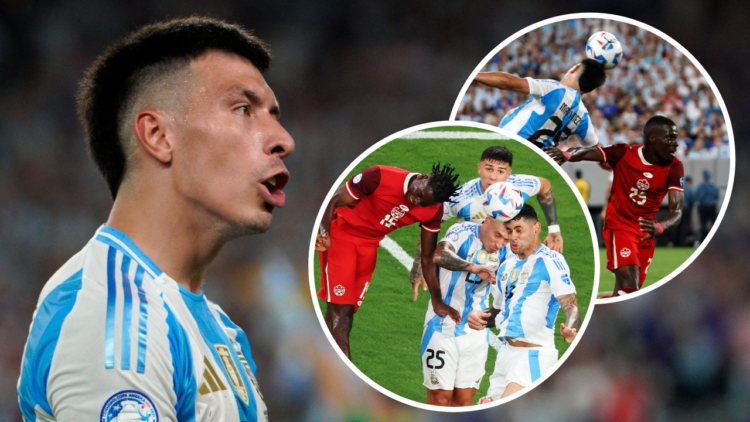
643, 160
406, 181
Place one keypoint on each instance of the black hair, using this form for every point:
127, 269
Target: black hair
501, 154
592, 75
444, 183
527, 212
579, 174
656, 122
111, 81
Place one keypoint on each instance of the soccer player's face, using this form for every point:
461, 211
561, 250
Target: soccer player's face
665, 142
493, 235
491, 171
523, 235
230, 145
420, 192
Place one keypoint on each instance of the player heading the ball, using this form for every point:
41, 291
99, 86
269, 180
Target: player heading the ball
454, 355
554, 110
370, 205
532, 286
184, 128
643, 175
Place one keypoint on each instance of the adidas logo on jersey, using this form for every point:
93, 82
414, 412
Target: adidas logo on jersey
211, 381
478, 216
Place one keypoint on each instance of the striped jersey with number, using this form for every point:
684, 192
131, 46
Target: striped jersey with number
526, 295
552, 113
462, 290
114, 338
467, 204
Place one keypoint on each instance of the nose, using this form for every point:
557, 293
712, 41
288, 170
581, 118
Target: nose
279, 142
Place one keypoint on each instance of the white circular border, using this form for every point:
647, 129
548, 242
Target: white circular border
717, 94
319, 313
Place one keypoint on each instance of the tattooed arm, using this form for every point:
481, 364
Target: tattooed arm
446, 257
569, 329
415, 276
546, 200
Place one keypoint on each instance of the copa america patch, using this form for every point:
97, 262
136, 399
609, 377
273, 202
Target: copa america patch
129, 405
453, 236
357, 178
682, 181
339, 290
625, 252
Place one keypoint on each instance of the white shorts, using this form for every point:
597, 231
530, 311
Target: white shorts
522, 365
454, 362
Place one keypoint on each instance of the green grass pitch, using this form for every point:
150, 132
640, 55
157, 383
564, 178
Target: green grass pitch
387, 330
665, 261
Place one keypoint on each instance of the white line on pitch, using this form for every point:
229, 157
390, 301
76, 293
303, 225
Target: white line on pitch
397, 251
454, 135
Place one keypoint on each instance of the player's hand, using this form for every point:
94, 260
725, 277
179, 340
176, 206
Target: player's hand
484, 272
322, 243
485, 400
416, 278
554, 241
569, 334
556, 154
415, 287
477, 320
605, 166
442, 310
648, 227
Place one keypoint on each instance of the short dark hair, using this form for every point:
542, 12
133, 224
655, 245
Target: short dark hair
655, 122
592, 75
501, 154
444, 183
527, 212
579, 174
111, 81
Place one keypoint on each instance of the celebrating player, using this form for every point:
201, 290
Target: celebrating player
532, 286
184, 128
454, 355
554, 110
369, 206
495, 166
642, 176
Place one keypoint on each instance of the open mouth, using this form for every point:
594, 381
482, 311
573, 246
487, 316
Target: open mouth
273, 194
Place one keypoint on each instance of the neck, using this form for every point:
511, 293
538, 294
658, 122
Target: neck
650, 155
527, 253
169, 230
569, 84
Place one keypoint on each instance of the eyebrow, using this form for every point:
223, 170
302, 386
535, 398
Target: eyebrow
275, 109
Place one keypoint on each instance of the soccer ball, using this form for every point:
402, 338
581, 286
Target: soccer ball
502, 201
604, 48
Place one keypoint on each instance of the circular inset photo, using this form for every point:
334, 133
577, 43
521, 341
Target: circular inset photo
453, 265
634, 119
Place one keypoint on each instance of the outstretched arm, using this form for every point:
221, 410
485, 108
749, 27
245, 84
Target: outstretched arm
429, 244
504, 81
676, 199
340, 198
569, 329
446, 257
546, 200
575, 154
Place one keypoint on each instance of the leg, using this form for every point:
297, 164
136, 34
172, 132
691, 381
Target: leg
339, 320
463, 396
626, 279
439, 397
512, 388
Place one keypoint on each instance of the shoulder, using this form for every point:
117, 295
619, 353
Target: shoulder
552, 258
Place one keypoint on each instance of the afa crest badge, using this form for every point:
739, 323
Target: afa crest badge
129, 405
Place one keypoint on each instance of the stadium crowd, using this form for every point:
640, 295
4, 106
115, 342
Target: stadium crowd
653, 78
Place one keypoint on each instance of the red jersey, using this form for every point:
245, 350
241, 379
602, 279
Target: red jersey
380, 205
638, 187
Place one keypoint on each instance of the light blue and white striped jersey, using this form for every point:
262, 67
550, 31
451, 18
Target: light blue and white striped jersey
113, 338
465, 207
462, 290
552, 113
526, 295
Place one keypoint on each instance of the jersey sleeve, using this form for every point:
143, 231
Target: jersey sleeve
675, 177
529, 185
586, 132
540, 87
559, 275
450, 210
363, 184
76, 369
457, 234
614, 153
433, 224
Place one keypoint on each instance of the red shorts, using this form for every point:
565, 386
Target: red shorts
346, 269
626, 248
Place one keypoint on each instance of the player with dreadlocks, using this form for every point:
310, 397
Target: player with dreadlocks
367, 207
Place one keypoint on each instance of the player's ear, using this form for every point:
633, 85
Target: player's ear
151, 132
537, 227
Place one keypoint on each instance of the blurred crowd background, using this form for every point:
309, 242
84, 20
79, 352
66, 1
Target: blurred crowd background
653, 78
348, 74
